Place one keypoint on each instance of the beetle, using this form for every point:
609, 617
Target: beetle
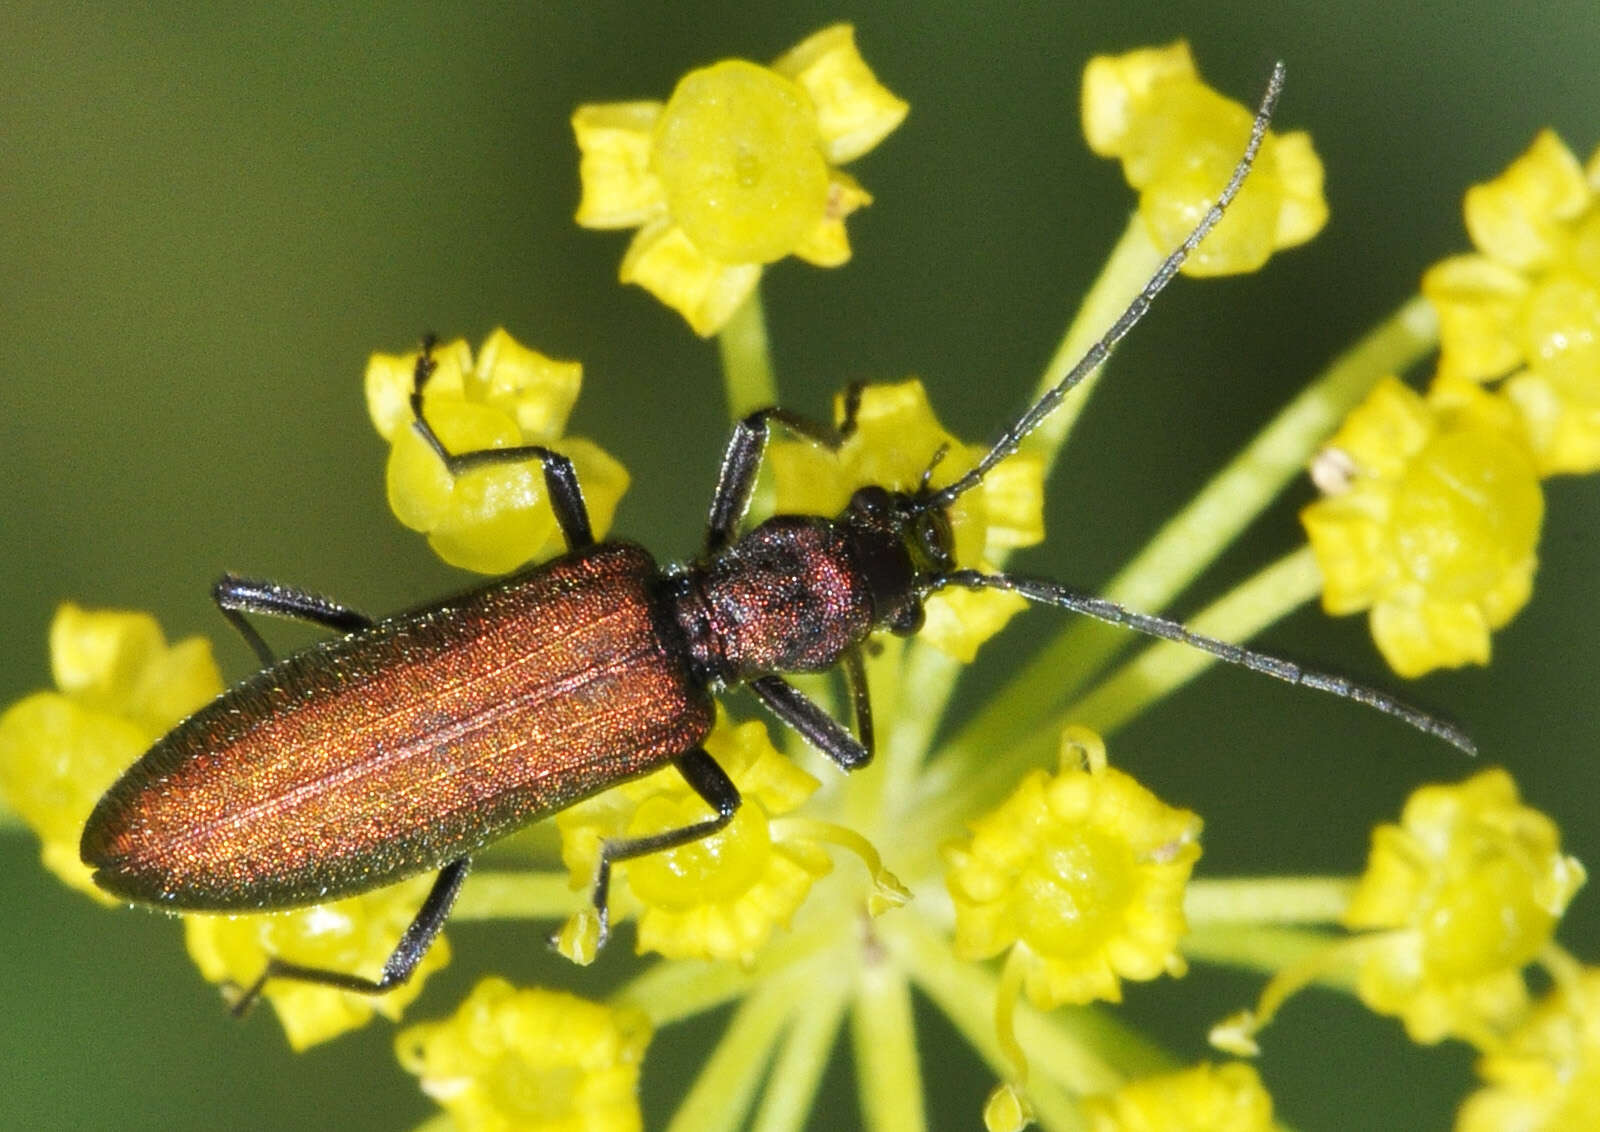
404, 745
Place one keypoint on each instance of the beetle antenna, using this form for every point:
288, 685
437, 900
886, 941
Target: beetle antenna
1096, 354
1053, 593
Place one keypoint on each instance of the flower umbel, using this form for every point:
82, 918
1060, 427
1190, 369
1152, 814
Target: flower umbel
490, 519
513, 1060
1179, 140
1526, 305
1431, 521
738, 169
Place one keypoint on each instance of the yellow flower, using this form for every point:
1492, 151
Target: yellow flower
1179, 141
1546, 1078
738, 169
495, 518
1081, 873
1206, 1098
354, 935
1431, 521
513, 1060
1527, 303
121, 687
1465, 891
894, 443
722, 896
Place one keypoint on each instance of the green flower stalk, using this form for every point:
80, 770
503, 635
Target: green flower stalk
1000, 867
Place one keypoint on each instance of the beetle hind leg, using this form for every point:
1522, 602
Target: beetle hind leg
708, 780
397, 969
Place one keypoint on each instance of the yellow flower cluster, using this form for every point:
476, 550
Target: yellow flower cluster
491, 519
896, 440
1462, 894
722, 896
1430, 520
513, 1060
1080, 874
1206, 1098
353, 935
120, 688
1179, 140
1546, 1076
1526, 306
736, 170
1433, 504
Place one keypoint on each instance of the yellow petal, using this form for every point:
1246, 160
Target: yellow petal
1114, 84
1302, 209
854, 110
827, 245
706, 292
1479, 302
620, 190
1520, 217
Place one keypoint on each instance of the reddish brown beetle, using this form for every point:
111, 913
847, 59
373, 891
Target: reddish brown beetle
407, 744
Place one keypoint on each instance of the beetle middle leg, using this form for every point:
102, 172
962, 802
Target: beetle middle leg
560, 481
236, 596
402, 961
708, 780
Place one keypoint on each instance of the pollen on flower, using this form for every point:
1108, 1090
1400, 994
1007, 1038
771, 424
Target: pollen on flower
1081, 874
897, 439
531, 1061
738, 169
120, 687
495, 518
1526, 305
1179, 141
1207, 1098
1546, 1075
719, 897
1432, 523
356, 935
1462, 894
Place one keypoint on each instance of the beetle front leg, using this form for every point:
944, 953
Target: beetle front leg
741, 460
236, 596
708, 780
816, 726
560, 481
402, 961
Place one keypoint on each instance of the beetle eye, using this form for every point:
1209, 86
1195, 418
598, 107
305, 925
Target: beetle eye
936, 539
871, 501
908, 621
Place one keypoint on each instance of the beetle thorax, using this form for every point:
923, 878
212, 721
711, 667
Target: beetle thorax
792, 595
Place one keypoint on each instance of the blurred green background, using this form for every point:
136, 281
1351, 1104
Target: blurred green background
213, 213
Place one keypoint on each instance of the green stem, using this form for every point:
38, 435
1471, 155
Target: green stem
1193, 538
747, 376
1267, 900
1133, 261
1264, 949
951, 793
885, 1042
797, 1073
1161, 668
722, 1093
